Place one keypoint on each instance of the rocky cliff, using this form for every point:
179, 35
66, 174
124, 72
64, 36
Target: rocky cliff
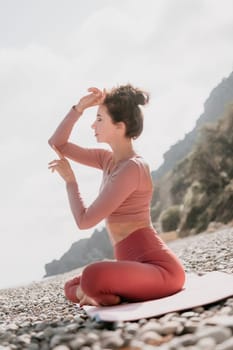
82, 252
210, 170
214, 107
199, 189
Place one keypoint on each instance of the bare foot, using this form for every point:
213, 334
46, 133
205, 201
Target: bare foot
113, 302
84, 299
79, 292
88, 301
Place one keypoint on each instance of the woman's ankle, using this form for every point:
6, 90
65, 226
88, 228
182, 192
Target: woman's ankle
79, 293
114, 300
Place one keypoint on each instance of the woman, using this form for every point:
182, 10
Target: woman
145, 268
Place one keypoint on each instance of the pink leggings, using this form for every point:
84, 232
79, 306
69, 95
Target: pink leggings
145, 269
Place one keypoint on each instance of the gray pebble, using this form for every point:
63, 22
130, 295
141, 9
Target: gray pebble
39, 335
136, 344
44, 346
150, 336
142, 321
170, 327
168, 317
96, 346
149, 347
40, 326
91, 338
219, 334
48, 332
151, 326
33, 346
25, 324
161, 347
227, 310
196, 318
61, 347
199, 309
226, 321
207, 343
189, 314
226, 345
112, 341
183, 340
69, 317
12, 327
57, 339
229, 301
78, 318
60, 330
24, 339
77, 342
132, 328
72, 327
191, 326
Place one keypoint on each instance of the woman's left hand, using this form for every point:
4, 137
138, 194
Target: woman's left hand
62, 166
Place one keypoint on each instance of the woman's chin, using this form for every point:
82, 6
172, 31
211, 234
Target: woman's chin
98, 139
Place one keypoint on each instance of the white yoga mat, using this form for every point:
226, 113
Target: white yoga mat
198, 290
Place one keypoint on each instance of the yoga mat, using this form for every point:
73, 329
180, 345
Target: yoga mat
197, 291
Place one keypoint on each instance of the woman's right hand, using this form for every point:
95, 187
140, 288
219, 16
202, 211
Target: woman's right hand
96, 97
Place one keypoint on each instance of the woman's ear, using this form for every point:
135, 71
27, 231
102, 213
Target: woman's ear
121, 127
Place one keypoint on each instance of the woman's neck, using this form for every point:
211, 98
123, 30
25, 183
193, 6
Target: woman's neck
122, 150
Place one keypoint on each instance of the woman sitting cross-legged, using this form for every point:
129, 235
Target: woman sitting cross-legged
145, 268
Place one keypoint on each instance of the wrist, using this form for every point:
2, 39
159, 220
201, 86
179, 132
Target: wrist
78, 109
70, 180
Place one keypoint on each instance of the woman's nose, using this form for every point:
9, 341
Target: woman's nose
93, 126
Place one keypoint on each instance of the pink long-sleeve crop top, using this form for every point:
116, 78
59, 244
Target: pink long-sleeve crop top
126, 190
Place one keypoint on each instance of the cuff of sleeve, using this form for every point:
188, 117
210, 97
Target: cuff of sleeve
72, 185
73, 114
77, 110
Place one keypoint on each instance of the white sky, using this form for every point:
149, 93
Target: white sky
50, 53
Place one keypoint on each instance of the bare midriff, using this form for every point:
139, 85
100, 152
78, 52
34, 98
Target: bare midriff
118, 231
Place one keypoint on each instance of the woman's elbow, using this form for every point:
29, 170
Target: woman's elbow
51, 142
82, 225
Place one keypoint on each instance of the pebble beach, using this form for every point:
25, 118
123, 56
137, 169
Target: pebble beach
38, 317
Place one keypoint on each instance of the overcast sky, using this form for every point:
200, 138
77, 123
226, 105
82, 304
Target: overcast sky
50, 53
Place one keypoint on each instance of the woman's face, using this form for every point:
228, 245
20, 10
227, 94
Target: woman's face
104, 128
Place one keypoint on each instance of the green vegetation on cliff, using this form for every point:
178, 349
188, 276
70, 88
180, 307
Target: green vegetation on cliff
202, 183
219, 98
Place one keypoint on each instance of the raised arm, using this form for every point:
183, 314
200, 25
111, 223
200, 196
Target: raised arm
114, 193
63, 131
91, 157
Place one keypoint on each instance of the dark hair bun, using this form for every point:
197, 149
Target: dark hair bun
141, 98
133, 94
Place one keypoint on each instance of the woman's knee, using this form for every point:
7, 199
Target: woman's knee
93, 278
70, 289
182, 279
178, 281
